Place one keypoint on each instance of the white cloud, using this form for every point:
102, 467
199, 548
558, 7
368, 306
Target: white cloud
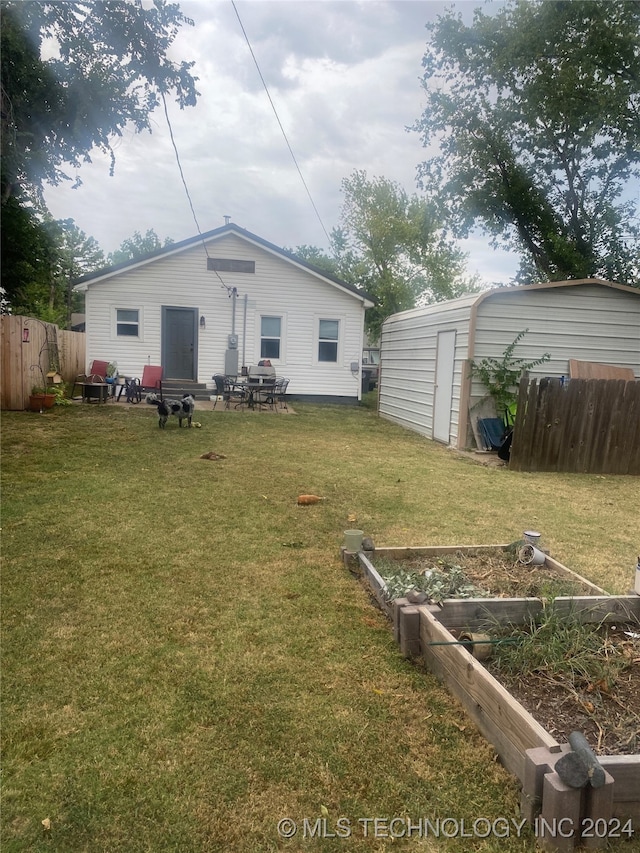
344, 78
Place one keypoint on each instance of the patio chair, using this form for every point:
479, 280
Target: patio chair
151, 382
281, 392
492, 432
96, 374
274, 395
225, 389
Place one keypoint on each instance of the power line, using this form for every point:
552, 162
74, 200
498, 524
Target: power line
275, 112
186, 189
184, 182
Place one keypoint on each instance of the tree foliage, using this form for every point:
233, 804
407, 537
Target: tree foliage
390, 245
536, 113
40, 258
75, 74
137, 246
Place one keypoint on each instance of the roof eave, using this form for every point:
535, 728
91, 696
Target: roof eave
82, 284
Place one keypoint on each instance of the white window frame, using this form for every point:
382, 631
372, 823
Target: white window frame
339, 342
275, 316
116, 322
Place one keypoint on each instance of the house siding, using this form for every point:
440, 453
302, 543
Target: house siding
587, 321
277, 288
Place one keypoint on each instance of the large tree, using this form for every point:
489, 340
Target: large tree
392, 246
535, 110
398, 240
40, 258
74, 75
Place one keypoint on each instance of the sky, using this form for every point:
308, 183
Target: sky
344, 78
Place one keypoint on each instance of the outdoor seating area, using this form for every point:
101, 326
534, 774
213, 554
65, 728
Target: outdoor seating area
102, 383
259, 390
98, 383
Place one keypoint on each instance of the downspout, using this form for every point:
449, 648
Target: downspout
244, 330
234, 296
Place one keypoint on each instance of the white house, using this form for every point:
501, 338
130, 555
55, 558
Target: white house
425, 380
222, 301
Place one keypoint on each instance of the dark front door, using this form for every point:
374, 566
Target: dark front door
179, 343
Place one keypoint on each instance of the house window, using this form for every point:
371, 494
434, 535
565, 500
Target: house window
328, 340
270, 335
127, 323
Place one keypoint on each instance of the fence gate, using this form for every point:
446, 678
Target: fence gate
29, 346
580, 426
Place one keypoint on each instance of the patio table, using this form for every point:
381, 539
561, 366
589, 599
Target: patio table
251, 389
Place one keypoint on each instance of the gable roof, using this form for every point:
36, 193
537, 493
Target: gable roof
85, 281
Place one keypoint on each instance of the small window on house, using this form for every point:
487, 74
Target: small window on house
328, 340
127, 322
270, 334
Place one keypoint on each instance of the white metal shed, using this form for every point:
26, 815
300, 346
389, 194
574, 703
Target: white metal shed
425, 383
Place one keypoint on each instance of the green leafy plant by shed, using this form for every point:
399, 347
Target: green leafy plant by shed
500, 376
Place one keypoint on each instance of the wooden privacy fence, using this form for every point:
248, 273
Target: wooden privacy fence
27, 343
580, 426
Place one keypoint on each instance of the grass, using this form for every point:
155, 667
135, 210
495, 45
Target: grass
560, 648
185, 659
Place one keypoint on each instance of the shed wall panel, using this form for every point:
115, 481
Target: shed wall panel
588, 321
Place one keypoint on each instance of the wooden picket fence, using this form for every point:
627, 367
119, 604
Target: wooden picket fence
580, 426
29, 346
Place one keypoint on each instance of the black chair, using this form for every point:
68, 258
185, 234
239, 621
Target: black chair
226, 390
132, 390
151, 382
281, 392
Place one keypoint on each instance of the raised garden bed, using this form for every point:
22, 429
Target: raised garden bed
442, 633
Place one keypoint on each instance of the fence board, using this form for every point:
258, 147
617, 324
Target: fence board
22, 360
595, 370
583, 426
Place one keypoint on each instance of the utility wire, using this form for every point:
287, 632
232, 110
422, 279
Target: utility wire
184, 183
186, 189
275, 112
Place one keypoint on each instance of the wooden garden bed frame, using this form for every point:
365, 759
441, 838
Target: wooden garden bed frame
525, 748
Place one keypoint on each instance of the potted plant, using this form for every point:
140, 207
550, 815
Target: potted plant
49, 392
42, 397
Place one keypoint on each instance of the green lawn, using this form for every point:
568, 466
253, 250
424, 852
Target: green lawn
186, 661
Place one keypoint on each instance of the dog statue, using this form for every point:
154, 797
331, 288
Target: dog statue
182, 409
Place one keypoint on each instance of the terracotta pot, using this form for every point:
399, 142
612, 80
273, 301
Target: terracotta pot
38, 402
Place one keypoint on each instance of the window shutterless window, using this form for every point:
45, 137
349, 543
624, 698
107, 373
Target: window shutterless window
270, 337
128, 322
328, 340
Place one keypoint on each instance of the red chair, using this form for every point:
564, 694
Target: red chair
151, 382
97, 374
151, 379
97, 371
